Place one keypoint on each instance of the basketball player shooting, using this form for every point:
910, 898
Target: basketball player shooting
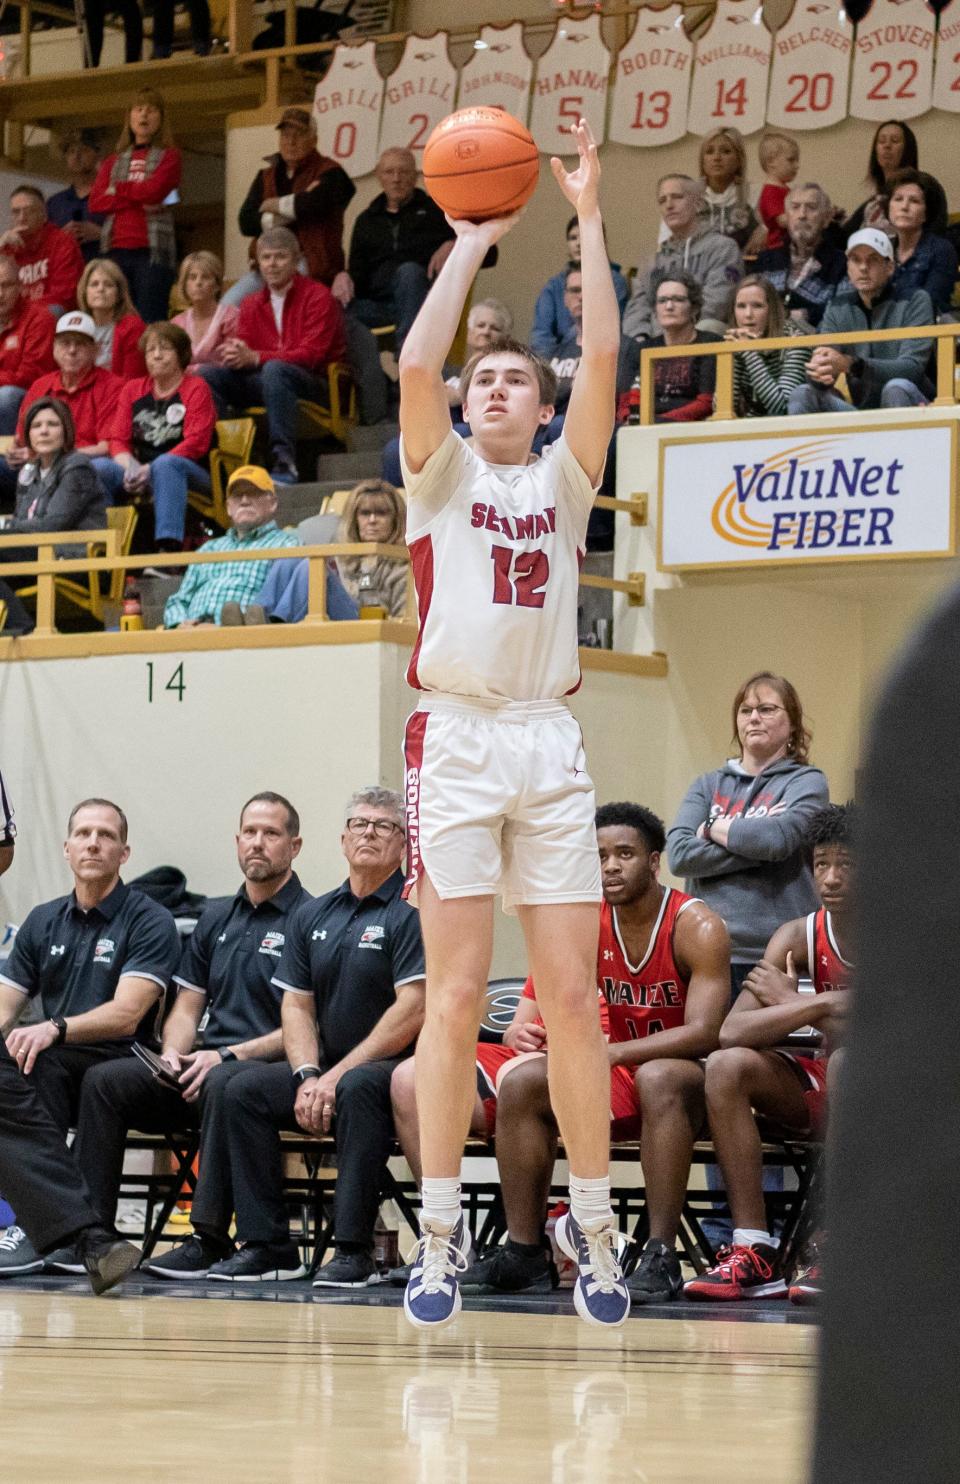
499, 798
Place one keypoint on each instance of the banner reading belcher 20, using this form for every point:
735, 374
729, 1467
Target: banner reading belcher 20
837, 495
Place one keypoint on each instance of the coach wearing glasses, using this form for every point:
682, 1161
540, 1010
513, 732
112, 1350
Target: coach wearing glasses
352, 976
738, 837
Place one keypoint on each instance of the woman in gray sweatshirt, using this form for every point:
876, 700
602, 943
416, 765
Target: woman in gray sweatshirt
738, 838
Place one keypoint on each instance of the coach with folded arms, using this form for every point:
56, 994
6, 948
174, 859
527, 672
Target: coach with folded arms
352, 976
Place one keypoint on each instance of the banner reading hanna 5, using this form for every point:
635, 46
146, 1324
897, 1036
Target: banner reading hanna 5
843, 495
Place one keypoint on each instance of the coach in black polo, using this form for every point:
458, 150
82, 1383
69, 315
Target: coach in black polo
224, 1023
99, 959
352, 976
36, 1171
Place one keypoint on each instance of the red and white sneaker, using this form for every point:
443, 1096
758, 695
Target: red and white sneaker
807, 1285
740, 1273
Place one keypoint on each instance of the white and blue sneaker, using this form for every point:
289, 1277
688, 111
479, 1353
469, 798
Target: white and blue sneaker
433, 1290
600, 1294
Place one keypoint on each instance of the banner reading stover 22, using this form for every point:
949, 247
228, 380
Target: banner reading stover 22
854, 494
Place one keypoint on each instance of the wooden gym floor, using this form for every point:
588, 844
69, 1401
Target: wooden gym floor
152, 1383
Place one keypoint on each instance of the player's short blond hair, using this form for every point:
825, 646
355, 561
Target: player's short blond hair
546, 377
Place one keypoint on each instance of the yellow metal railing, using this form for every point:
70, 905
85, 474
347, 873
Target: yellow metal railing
44, 571
725, 350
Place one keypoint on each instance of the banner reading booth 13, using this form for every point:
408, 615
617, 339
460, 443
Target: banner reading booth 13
846, 494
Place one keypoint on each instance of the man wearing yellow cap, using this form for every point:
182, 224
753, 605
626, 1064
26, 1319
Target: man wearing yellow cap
208, 586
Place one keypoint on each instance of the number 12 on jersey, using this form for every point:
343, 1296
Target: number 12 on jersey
519, 576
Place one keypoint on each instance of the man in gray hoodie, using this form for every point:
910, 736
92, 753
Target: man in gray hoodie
713, 259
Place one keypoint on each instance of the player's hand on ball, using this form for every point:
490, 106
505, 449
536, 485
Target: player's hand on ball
581, 186
484, 233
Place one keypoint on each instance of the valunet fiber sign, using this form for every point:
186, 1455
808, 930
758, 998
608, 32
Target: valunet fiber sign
846, 495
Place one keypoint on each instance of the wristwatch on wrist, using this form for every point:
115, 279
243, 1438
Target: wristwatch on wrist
706, 828
61, 1027
226, 1054
305, 1073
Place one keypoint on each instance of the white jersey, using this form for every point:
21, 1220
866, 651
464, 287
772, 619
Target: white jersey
496, 552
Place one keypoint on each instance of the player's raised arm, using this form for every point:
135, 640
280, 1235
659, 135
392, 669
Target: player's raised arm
588, 425
424, 408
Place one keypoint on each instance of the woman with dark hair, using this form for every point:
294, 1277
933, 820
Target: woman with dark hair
131, 188
894, 148
925, 259
684, 385
163, 428
763, 380
56, 491
738, 837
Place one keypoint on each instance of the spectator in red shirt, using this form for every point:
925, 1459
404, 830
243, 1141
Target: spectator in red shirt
26, 343
103, 294
86, 389
49, 259
287, 333
164, 425
131, 187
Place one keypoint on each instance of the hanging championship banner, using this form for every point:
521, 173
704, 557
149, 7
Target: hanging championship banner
652, 84
730, 71
346, 106
420, 93
811, 68
893, 61
499, 72
946, 74
571, 84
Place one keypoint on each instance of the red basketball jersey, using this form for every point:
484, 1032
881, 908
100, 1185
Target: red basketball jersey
650, 996
529, 993
828, 969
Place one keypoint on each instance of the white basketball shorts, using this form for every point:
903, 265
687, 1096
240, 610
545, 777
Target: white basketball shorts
498, 799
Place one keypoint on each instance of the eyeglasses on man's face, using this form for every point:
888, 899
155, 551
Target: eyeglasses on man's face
673, 299
359, 824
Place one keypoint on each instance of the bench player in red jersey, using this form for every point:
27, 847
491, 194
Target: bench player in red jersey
663, 981
753, 1074
499, 798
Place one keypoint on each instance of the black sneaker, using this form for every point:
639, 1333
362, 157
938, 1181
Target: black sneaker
399, 1277
656, 1279
64, 1260
17, 1253
107, 1259
348, 1270
259, 1262
191, 1259
506, 1270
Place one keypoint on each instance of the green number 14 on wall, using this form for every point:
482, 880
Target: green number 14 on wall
177, 683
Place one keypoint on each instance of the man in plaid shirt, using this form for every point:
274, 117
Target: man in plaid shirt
252, 508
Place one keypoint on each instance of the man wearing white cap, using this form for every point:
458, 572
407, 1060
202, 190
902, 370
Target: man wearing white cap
90, 391
886, 374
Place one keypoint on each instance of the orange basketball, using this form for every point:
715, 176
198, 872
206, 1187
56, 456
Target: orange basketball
479, 163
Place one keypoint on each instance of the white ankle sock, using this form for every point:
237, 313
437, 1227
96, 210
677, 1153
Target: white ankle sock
590, 1202
746, 1236
441, 1201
